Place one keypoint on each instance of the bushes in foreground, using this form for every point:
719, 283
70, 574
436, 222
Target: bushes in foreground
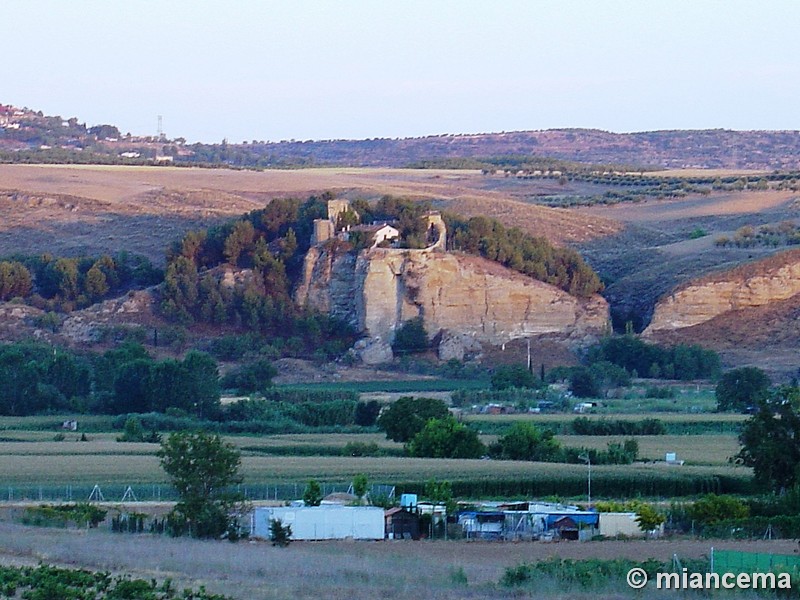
45, 582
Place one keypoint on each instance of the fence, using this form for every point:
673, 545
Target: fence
731, 561
115, 492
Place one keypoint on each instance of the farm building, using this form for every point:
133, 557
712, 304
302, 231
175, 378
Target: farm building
483, 525
528, 521
401, 524
321, 522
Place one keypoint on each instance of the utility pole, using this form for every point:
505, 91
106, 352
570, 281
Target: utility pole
588, 460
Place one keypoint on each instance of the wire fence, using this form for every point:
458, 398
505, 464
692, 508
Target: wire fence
115, 492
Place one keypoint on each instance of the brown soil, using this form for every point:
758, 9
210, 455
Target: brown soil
93, 209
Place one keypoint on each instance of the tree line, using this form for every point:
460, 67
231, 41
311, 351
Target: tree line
270, 244
62, 283
37, 378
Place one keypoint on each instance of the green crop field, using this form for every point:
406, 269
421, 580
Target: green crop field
416, 385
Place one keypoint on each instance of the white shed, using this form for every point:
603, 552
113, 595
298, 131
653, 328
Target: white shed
329, 522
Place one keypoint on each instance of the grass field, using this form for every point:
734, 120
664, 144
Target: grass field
694, 449
343, 570
416, 385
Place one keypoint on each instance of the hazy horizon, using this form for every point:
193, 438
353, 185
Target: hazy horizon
315, 70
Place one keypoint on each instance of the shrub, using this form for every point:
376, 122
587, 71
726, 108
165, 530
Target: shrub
411, 337
526, 442
739, 388
711, 509
446, 438
514, 376
279, 534
406, 417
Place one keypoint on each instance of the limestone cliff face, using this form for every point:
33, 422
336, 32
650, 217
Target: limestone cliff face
381, 288
756, 284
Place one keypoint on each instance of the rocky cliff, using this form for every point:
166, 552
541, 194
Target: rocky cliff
379, 289
755, 284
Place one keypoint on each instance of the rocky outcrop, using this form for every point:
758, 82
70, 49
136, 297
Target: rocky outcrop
380, 289
756, 284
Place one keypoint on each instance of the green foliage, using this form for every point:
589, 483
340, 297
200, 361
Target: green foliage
739, 388
201, 467
648, 517
441, 492
634, 355
567, 573
61, 515
360, 486
251, 377
134, 432
712, 508
362, 449
279, 534
407, 416
771, 440
514, 376
410, 337
583, 384
53, 583
271, 242
525, 441
533, 256
586, 426
58, 283
446, 438
15, 280
312, 496
367, 413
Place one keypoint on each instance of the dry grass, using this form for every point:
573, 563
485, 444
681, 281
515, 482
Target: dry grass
337, 570
662, 212
694, 449
91, 209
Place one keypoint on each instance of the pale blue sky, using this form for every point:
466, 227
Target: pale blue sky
309, 69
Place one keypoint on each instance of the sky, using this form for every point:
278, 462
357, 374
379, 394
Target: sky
355, 69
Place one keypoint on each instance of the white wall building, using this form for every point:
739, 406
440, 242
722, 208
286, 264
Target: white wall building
330, 522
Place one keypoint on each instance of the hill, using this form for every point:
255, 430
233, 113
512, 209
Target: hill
30, 136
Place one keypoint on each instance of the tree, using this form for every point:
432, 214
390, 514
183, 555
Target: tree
201, 467
407, 416
771, 440
360, 485
312, 496
608, 376
411, 337
648, 517
446, 438
516, 376
202, 383
582, 383
279, 534
367, 413
96, 284
712, 508
524, 441
740, 388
